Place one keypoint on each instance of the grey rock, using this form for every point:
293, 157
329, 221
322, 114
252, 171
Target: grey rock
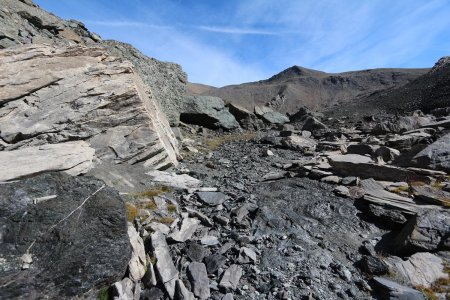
312, 124
245, 118
247, 256
362, 166
81, 236
421, 269
228, 296
195, 252
182, 181
388, 154
211, 198
138, 261
425, 231
401, 124
342, 191
81, 93
209, 240
149, 280
167, 81
214, 262
295, 142
373, 265
207, 111
153, 293
181, 292
436, 156
390, 290
230, 278
124, 290
273, 117
199, 280
187, 229
362, 149
431, 195
165, 268
73, 158
201, 216
406, 141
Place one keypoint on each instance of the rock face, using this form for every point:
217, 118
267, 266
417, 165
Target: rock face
209, 112
80, 93
390, 290
23, 22
73, 158
167, 81
436, 156
72, 231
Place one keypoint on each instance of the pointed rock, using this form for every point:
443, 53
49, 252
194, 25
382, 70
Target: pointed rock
138, 261
187, 229
199, 279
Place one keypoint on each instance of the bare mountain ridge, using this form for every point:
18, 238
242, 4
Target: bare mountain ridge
296, 86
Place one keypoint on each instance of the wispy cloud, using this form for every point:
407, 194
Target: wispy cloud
234, 30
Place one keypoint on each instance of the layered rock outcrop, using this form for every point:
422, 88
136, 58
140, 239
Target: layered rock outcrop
54, 94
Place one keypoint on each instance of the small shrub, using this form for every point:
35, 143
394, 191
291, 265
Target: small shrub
172, 208
103, 294
214, 143
166, 220
155, 191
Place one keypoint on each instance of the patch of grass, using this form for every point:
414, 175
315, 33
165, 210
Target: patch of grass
153, 260
155, 191
150, 204
401, 189
216, 142
132, 211
439, 286
172, 208
427, 292
166, 220
103, 294
417, 183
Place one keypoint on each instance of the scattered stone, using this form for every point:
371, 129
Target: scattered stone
436, 156
230, 278
187, 229
164, 265
431, 195
163, 178
181, 292
331, 179
138, 261
123, 290
195, 252
199, 280
149, 279
247, 256
209, 240
342, 191
373, 265
388, 289
295, 142
211, 198
214, 262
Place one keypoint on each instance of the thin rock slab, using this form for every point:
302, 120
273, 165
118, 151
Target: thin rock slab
230, 278
138, 261
79, 236
212, 198
181, 292
388, 289
73, 158
165, 267
187, 229
182, 181
199, 280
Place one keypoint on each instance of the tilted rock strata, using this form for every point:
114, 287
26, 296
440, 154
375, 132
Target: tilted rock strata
52, 94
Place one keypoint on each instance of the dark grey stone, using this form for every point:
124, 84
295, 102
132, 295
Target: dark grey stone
77, 239
211, 198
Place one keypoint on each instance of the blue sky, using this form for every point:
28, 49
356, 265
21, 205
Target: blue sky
234, 41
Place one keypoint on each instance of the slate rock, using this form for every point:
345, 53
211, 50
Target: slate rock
195, 252
214, 262
138, 261
390, 290
373, 265
230, 278
211, 198
169, 179
181, 292
199, 280
81, 236
187, 229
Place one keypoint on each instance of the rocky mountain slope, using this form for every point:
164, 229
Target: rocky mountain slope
101, 199
296, 87
23, 22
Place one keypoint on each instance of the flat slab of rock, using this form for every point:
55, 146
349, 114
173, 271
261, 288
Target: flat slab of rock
388, 289
164, 264
431, 195
138, 261
173, 180
363, 167
421, 269
230, 278
187, 229
73, 158
211, 198
78, 235
199, 280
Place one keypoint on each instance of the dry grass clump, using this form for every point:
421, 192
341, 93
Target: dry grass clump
155, 191
216, 142
132, 211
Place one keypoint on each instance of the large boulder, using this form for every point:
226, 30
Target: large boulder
269, 116
207, 111
436, 156
61, 94
400, 124
245, 118
61, 237
387, 289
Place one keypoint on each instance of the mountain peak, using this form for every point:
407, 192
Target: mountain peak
296, 71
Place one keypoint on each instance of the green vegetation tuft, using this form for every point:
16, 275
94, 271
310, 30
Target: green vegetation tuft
103, 294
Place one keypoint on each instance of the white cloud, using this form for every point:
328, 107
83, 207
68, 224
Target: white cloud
234, 30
